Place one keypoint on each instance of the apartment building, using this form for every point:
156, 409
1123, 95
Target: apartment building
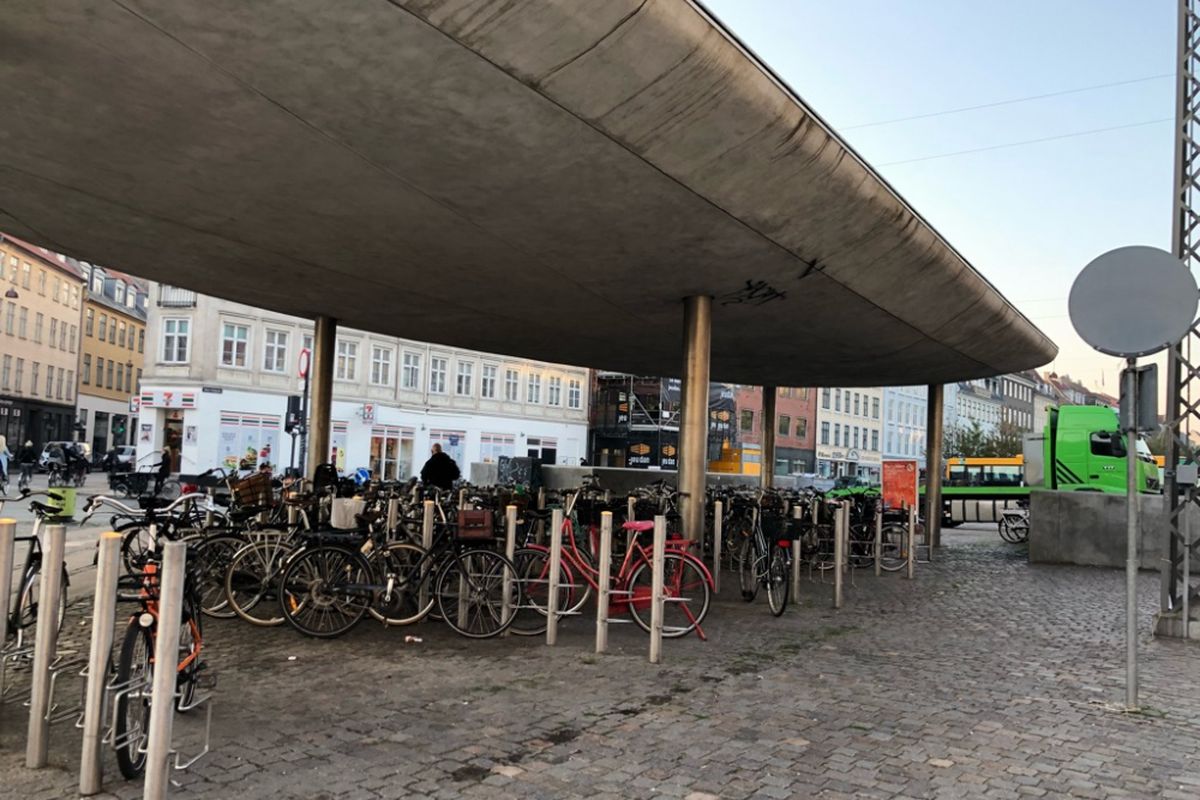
905, 415
218, 375
39, 342
849, 435
795, 427
112, 348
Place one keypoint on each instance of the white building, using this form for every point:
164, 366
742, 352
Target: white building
849, 429
904, 412
975, 402
218, 375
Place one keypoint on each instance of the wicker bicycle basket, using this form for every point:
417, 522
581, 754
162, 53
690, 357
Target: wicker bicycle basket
253, 490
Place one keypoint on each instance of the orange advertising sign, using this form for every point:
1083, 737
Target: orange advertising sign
900, 484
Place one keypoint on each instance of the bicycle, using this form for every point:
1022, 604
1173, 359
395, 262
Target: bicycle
1014, 525
765, 557
21, 624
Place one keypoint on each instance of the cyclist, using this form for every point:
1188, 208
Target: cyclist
4, 456
27, 457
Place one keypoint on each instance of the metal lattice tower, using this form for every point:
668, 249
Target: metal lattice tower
1180, 576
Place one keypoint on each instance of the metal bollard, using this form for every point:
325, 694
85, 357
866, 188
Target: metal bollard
166, 662
540, 528
427, 543
8, 534
510, 549
656, 588
630, 516
45, 647
718, 542
1187, 566
104, 614
912, 541
462, 499
879, 539
393, 515
602, 598
556, 521
796, 515
841, 518
210, 509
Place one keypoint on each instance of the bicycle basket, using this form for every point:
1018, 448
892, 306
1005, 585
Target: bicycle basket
475, 526
253, 490
775, 526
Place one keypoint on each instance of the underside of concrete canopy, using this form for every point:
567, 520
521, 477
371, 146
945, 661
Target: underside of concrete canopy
544, 178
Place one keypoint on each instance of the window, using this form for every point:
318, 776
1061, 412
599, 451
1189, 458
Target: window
837, 435
554, 391
120, 377
20, 375
97, 281
875, 408
99, 372
574, 393
119, 292
801, 427
747, 420
233, 344
25, 270
381, 366
10, 318
62, 336
410, 374
53, 332
74, 337
37, 327
108, 375
23, 323
85, 374
103, 326
307, 342
437, 375
121, 334
825, 399
785, 424
112, 331
74, 300
837, 401
1106, 443
42, 282
494, 445
533, 390
855, 437
89, 321
511, 382
141, 340
856, 404
33, 378
57, 290
58, 390
874, 439
275, 351
175, 341
346, 365
5, 373
466, 372
824, 433
487, 382
49, 381
138, 385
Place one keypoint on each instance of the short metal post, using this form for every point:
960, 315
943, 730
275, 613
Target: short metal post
104, 613
879, 538
540, 528
912, 541
630, 516
602, 598
462, 499
209, 509
393, 515
556, 521
8, 534
166, 663
718, 542
839, 553
510, 549
426, 543
1187, 565
656, 588
797, 513
45, 646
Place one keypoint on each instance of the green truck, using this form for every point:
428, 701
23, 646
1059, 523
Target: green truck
1083, 450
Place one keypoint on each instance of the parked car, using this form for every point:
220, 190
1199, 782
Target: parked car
120, 458
44, 458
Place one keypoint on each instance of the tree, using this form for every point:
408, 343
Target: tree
973, 442
1007, 442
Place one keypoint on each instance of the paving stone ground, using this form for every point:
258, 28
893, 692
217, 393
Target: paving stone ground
986, 677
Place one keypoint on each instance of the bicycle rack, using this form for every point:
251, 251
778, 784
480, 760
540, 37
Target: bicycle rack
13, 656
65, 666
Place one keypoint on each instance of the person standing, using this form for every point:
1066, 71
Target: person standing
4, 457
440, 470
164, 470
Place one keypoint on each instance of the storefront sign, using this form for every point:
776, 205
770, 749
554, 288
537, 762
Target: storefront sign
368, 412
900, 483
135, 404
167, 398
640, 455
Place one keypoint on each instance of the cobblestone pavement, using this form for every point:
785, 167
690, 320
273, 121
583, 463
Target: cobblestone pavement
986, 677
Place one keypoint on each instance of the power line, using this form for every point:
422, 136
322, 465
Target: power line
1027, 141
1007, 102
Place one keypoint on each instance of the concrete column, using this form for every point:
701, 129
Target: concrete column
321, 406
933, 464
769, 394
693, 428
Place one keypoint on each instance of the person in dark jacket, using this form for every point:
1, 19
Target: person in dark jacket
440, 470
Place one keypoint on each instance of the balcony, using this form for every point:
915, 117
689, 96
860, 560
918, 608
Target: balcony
174, 297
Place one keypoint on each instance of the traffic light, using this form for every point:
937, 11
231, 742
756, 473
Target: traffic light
292, 421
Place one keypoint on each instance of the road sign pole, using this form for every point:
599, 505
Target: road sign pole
1131, 537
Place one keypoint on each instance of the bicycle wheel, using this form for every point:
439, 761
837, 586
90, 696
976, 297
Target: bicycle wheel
189, 647
252, 581
747, 571
778, 583
213, 555
135, 544
682, 578
321, 591
470, 593
894, 547
25, 615
532, 566
135, 672
398, 567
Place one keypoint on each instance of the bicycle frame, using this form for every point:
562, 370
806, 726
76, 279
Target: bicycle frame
149, 602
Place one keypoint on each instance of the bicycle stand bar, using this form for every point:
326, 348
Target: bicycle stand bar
8, 534
104, 612
206, 701
166, 660
45, 647
658, 558
556, 522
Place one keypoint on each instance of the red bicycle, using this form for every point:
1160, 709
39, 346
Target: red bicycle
687, 583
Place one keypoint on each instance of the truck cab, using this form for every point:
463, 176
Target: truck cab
1083, 450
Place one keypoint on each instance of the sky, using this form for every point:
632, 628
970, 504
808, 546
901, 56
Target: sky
1028, 217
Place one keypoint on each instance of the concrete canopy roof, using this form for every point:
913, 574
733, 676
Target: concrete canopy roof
544, 178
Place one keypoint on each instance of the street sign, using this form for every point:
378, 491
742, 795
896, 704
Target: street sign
304, 362
1133, 301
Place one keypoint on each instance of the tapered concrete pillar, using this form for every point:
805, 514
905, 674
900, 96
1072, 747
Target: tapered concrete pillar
769, 394
321, 407
933, 464
693, 428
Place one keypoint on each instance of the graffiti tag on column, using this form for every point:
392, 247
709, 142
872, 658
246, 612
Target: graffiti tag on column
754, 293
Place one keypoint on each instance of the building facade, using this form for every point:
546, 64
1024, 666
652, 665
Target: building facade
978, 402
904, 422
849, 435
795, 427
112, 349
218, 375
1017, 391
39, 343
